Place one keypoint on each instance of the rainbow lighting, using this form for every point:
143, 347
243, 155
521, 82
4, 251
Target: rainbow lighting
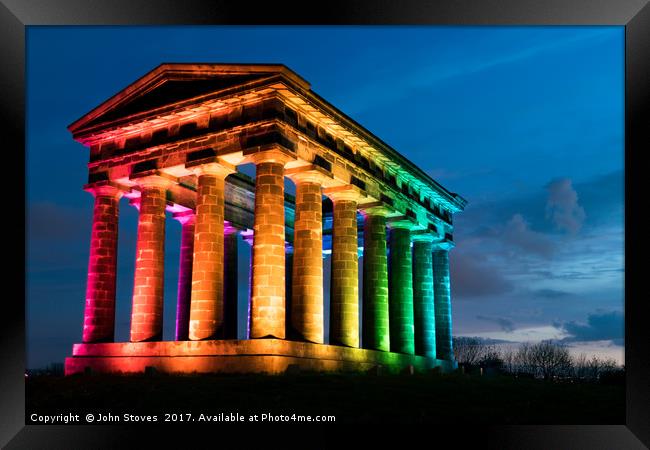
172, 141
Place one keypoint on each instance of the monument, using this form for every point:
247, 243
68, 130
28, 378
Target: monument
172, 142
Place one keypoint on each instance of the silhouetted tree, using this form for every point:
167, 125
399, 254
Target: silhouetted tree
472, 351
549, 359
592, 369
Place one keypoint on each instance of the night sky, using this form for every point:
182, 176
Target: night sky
526, 123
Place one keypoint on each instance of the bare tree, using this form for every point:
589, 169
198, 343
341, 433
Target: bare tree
472, 351
550, 359
580, 371
509, 357
524, 361
592, 369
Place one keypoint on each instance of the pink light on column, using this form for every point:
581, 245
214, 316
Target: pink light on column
187, 220
99, 312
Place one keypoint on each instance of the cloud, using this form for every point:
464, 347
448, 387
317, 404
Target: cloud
517, 233
506, 325
550, 293
562, 206
473, 277
484, 340
599, 327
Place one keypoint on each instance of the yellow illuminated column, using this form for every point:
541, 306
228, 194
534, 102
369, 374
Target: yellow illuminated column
344, 289
307, 279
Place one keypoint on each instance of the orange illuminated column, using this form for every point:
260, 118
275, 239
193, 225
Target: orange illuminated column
375, 281
99, 312
306, 313
267, 316
187, 220
147, 309
207, 303
344, 288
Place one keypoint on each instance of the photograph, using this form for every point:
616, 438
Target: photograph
396, 222
441, 202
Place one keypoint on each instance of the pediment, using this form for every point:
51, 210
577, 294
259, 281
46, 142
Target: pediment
172, 83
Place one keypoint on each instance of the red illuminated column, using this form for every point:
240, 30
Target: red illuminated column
99, 312
344, 288
207, 304
147, 310
268, 297
307, 277
187, 220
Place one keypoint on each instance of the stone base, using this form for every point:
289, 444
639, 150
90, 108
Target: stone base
271, 356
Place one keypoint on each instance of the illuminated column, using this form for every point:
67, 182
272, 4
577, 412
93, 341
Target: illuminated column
147, 309
187, 220
268, 297
230, 282
423, 297
344, 288
401, 290
247, 236
307, 278
99, 312
288, 265
207, 304
442, 295
375, 282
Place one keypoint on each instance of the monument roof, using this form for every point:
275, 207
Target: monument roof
170, 85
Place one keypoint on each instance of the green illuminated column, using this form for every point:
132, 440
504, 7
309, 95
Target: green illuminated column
401, 290
444, 349
423, 297
375, 282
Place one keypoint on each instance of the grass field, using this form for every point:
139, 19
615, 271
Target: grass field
350, 398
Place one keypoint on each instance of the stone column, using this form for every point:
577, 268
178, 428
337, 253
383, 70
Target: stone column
444, 348
207, 305
268, 297
375, 282
288, 264
307, 277
99, 311
423, 297
401, 290
147, 310
187, 220
230, 282
247, 236
344, 288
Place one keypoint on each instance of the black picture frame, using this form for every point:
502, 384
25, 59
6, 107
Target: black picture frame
15, 15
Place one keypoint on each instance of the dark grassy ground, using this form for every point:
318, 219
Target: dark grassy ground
351, 398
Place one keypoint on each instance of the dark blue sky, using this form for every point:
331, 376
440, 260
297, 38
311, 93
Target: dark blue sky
524, 122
